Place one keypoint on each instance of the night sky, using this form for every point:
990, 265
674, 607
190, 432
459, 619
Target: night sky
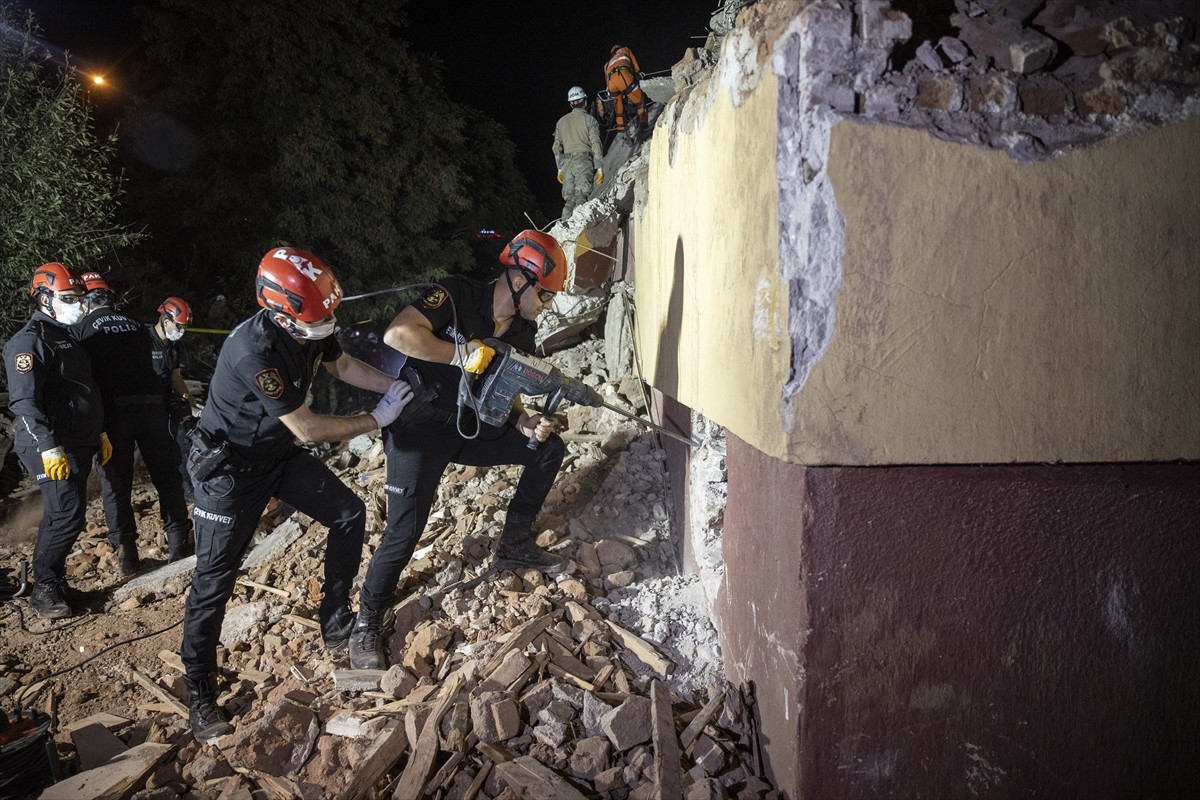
513, 61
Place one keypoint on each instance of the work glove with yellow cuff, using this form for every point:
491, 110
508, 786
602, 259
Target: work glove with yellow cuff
54, 462
105, 449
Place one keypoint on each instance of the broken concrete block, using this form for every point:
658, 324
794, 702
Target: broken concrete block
879, 22
929, 57
277, 744
1044, 96
628, 724
1006, 41
357, 680
551, 733
495, 716
397, 681
590, 757
938, 93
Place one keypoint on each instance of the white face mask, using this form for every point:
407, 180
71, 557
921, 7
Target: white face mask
67, 313
315, 331
175, 335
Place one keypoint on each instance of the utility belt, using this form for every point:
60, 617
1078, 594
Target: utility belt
421, 410
209, 454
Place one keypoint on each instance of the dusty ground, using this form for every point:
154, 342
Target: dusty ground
607, 513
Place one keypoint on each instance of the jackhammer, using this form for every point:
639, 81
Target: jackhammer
511, 373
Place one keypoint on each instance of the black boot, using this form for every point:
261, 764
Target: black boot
179, 545
366, 640
518, 550
336, 627
207, 719
129, 559
47, 601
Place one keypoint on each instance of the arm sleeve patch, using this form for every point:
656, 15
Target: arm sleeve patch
434, 298
23, 362
270, 383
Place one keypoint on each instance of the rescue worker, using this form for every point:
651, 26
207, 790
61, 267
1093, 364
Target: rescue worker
174, 317
136, 418
59, 425
622, 75
439, 332
244, 453
577, 152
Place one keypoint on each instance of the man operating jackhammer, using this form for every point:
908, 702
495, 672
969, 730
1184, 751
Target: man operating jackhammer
439, 332
244, 453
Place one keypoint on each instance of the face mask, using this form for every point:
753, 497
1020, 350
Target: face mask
67, 313
314, 332
175, 335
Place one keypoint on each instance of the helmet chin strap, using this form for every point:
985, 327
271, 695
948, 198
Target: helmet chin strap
516, 293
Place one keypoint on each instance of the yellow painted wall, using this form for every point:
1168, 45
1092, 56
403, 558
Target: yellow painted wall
991, 312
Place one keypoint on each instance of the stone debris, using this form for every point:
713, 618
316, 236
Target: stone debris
604, 681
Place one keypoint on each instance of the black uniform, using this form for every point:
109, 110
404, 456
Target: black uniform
420, 446
57, 404
262, 374
167, 358
135, 417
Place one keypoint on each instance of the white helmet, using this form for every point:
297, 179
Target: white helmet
576, 93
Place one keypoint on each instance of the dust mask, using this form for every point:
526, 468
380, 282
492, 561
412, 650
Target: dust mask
175, 335
67, 313
315, 331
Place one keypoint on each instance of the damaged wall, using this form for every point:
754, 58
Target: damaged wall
867, 243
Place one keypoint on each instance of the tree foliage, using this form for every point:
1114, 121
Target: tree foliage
313, 124
59, 196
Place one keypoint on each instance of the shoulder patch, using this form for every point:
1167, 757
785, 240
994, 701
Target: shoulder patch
23, 362
270, 383
434, 298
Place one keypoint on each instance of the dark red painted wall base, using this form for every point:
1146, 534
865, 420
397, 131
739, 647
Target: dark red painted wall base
967, 631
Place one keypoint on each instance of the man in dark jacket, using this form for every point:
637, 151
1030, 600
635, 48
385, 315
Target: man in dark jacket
59, 425
174, 317
244, 453
136, 417
439, 332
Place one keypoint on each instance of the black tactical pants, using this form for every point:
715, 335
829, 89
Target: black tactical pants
228, 506
417, 455
142, 426
63, 507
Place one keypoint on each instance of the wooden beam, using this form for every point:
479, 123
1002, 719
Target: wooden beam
642, 649
162, 694
386, 749
668, 780
533, 780
412, 781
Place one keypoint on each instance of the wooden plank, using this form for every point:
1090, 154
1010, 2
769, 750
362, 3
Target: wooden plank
305, 621
263, 587
701, 719
96, 745
567, 660
477, 784
533, 780
668, 779
521, 636
388, 746
119, 778
498, 753
642, 649
162, 694
412, 781
562, 674
107, 720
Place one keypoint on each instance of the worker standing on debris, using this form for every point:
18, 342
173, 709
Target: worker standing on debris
577, 152
59, 426
439, 332
135, 417
623, 77
174, 317
244, 453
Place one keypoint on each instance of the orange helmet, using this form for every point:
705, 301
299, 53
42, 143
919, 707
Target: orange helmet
98, 290
298, 284
53, 277
177, 309
540, 256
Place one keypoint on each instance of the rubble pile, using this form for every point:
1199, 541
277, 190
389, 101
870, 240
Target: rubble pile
604, 681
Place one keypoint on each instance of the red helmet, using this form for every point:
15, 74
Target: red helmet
539, 255
297, 283
54, 277
93, 281
177, 309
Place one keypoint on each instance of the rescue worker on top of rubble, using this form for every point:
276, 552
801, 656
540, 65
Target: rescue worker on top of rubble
577, 152
244, 452
439, 332
59, 426
623, 77
174, 317
135, 417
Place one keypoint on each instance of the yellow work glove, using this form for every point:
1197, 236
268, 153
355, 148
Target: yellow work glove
479, 358
599, 177
54, 462
105, 449
560, 176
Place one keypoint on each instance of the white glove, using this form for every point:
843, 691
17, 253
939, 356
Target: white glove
392, 403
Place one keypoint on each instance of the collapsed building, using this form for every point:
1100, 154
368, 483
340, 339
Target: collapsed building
932, 268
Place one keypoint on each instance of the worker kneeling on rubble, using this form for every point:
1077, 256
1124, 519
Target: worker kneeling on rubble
244, 453
440, 334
